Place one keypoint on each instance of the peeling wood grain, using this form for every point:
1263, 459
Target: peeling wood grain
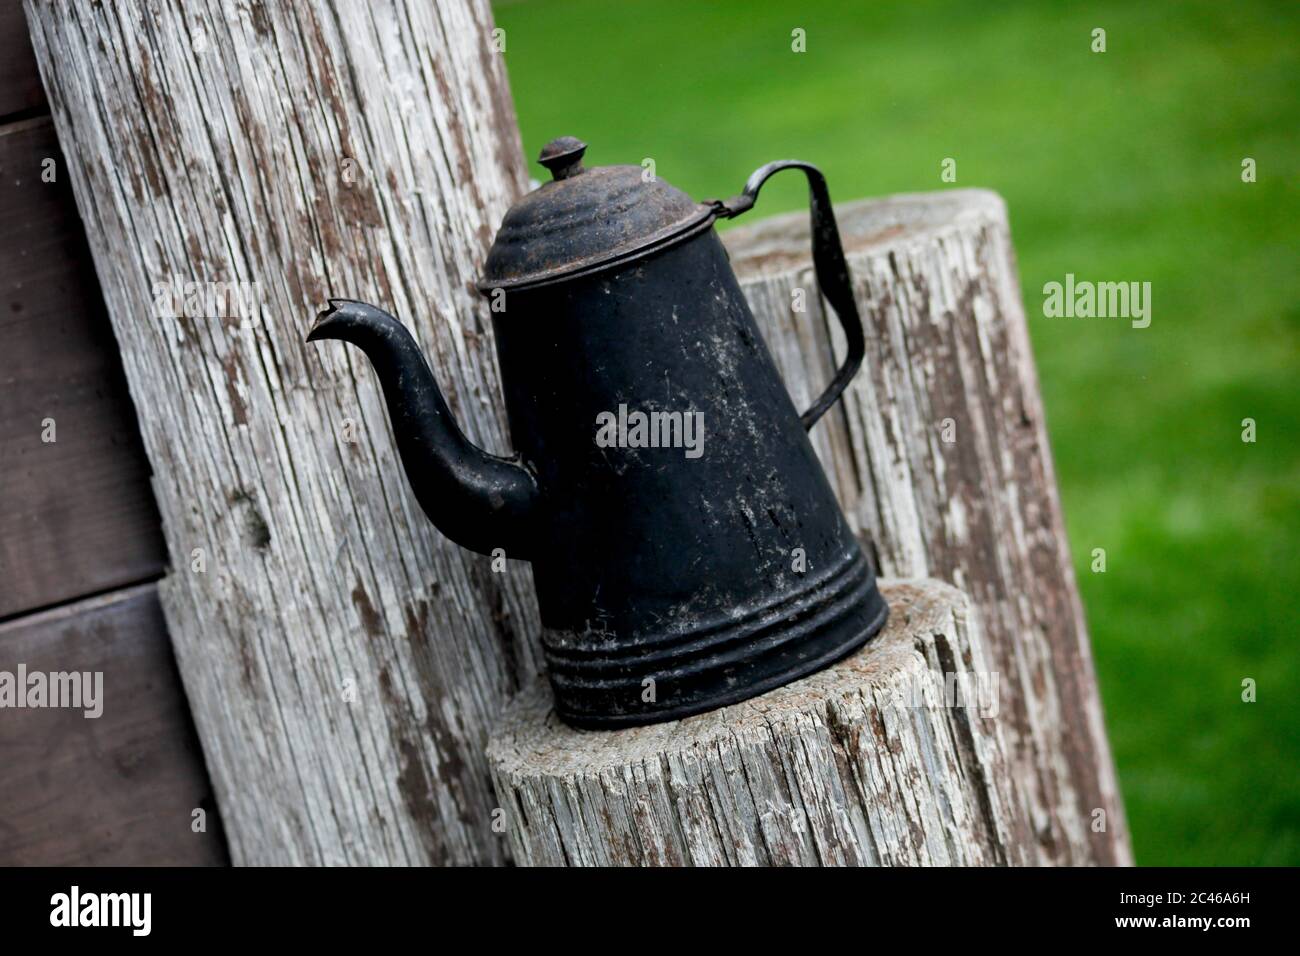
847, 767
936, 283
336, 651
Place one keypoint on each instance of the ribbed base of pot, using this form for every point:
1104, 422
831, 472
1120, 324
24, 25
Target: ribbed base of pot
601, 683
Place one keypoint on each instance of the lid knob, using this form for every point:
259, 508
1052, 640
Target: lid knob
563, 157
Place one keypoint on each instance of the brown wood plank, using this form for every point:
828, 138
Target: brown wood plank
20, 83
117, 789
76, 515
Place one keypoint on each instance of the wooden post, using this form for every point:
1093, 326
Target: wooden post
341, 659
893, 756
939, 454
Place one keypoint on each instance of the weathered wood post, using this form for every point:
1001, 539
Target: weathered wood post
939, 453
341, 659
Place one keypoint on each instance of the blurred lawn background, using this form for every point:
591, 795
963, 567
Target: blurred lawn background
1123, 165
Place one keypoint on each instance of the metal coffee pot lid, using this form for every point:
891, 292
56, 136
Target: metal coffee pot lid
587, 219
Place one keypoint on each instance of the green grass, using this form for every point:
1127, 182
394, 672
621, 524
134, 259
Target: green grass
1123, 165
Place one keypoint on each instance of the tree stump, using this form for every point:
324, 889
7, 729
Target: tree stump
892, 756
938, 453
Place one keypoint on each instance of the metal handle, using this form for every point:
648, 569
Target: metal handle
828, 262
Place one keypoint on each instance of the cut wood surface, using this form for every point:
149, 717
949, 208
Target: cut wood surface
342, 659
76, 513
939, 454
119, 789
893, 756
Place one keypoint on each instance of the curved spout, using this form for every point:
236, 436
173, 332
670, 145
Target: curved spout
480, 501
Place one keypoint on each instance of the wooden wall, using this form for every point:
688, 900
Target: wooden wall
80, 544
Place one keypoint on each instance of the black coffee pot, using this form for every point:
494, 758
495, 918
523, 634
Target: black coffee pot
687, 549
